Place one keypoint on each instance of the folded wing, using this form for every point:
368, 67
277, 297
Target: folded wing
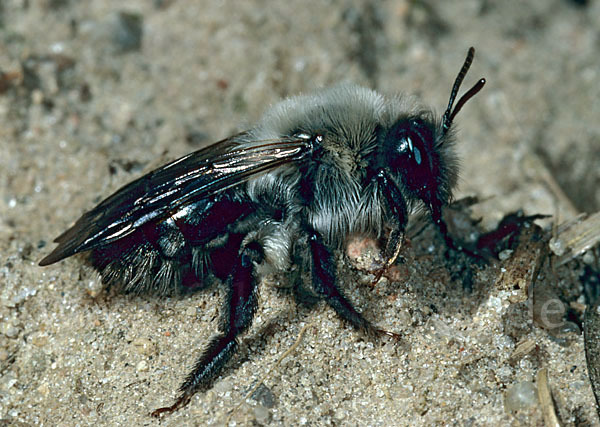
164, 191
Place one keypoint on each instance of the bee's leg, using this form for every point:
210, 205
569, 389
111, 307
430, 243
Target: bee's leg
241, 304
324, 281
435, 207
396, 210
465, 274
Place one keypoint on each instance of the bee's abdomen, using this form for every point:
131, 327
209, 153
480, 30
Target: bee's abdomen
173, 254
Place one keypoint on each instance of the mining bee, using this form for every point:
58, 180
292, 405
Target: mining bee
281, 197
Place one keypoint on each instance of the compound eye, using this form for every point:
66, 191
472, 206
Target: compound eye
406, 147
409, 153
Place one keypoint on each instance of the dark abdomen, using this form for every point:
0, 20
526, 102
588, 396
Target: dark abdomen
175, 254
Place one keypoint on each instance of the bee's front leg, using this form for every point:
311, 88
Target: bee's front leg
397, 217
241, 304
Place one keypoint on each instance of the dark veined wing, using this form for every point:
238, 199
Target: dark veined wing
159, 193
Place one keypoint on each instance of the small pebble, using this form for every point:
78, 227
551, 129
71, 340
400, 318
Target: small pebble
340, 414
144, 346
264, 396
522, 395
261, 414
127, 31
24, 293
589, 258
10, 331
39, 340
43, 389
223, 386
504, 255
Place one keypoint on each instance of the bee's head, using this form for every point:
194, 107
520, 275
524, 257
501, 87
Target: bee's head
420, 158
418, 150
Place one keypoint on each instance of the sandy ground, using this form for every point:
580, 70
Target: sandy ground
84, 110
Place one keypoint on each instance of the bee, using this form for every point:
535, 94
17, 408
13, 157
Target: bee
281, 197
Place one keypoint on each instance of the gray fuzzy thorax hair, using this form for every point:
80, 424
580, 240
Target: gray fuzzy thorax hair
347, 116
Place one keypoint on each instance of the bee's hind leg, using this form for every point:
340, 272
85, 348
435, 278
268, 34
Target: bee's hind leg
240, 309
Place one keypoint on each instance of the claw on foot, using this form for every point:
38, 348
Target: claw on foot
378, 276
183, 400
389, 263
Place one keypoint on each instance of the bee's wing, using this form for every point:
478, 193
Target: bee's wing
156, 195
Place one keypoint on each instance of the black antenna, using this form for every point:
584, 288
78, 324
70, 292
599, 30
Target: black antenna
450, 114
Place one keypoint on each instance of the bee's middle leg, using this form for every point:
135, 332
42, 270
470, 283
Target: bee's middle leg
324, 272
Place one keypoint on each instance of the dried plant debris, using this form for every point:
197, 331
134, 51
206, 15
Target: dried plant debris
515, 230
574, 249
592, 348
590, 280
546, 401
519, 266
522, 349
575, 237
486, 244
550, 295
